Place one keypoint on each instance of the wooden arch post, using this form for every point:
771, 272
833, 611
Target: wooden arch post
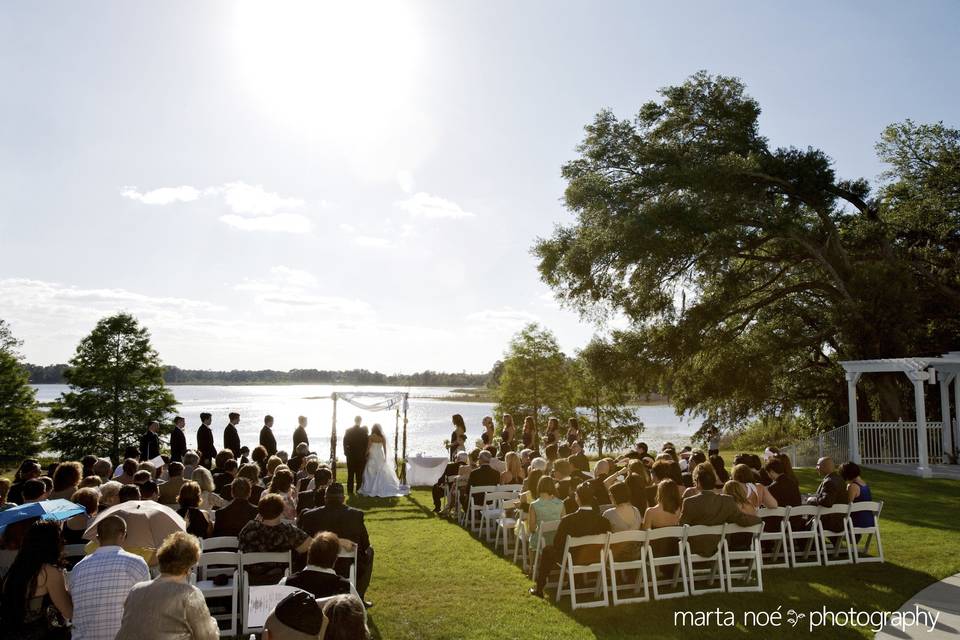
333, 438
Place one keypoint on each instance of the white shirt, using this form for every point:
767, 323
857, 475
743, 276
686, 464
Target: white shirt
99, 585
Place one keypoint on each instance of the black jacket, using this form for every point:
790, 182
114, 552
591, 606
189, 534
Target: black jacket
231, 440
299, 435
355, 441
205, 445
178, 445
452, 469
231, 518
321, 585
342, 520
482, 476
149, 446
830, 492
267, 440
582, 522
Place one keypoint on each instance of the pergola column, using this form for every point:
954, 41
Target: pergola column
946, 433
853, 434
923, 459
955, 428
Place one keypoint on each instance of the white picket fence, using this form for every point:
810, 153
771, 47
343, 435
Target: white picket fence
880, 443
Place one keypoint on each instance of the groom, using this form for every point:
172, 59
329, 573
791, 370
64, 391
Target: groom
355, 449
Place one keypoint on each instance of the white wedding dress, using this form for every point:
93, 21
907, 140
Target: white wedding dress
379, 478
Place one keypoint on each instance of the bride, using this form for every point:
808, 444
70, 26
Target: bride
379, 478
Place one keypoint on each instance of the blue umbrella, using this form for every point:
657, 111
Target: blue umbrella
56, 510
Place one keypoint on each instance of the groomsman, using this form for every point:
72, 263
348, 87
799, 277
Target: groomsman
231, 439
267, 439
300, 433
178, 441
205, 447
150, 442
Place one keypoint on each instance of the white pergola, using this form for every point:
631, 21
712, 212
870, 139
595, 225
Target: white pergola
943, 370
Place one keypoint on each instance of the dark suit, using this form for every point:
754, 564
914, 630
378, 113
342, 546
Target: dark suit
482, 476
299, 435
178, 445
320, 584
267, 440
582, 522
231, 518
452, 469
709, 508
205, 446
830, 492
346, 522
580, 462
310, 499
231, 439
149, 446
355, 441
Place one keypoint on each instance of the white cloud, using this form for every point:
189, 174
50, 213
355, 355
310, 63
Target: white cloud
253, 207
430, 206
287, 290
284, 222
163, 195
405, 180
373, 241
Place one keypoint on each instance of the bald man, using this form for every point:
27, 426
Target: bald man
830, 492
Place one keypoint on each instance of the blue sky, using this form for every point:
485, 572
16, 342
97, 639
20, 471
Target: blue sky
358, 185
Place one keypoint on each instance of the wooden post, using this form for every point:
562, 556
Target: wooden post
333, 439
945, 429
403, 471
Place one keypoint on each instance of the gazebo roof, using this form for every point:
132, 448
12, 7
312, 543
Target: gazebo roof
948, 363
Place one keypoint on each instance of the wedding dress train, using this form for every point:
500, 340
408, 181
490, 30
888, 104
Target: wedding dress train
379, 478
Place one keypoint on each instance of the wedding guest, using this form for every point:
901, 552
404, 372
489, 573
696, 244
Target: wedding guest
251, 472
300, 433
346, 618
86, 464
150, 441
66, 480
209, 500
28, 470
178, 440
709, 508
219, 471
74, 527
623, 516
260, 457
583, 522
529, 435
488, 431
736, 491
547, 507
271, 532
577, 458
267, 440
573, 431
719, 468
282, 485
100, 582
666, 511
205, 449
496, 463
232, 518
601, 472
307, 475
642, 491
190, 463
90, 482
857, 491
783, 487
127, 470
514, 473
35, 602
439, 489
696, 457
318, 576
297, 617
109, 494
189, 509
148, 490
484, 475
553, 432
170, 607
170, 489
103, 468
757, 494
530, 489
347, 523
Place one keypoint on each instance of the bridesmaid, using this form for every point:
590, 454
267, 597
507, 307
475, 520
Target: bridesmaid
573, 431
509, 433
458, 438
529, 431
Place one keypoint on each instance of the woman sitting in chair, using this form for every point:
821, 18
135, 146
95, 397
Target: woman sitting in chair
546, 508
857, 491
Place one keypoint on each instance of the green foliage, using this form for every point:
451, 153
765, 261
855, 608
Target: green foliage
535, 377
748, 273
777, 431
602, 388
116, 384
19, 414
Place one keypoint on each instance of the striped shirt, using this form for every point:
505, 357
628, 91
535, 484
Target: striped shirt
99, 585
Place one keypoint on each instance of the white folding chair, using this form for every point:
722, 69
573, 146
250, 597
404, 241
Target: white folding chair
638, 564
246, 560
352, 556
571, 570
451, 495
475, 504
506, 524
807, 534
493, 510
224, 561
676, 560
751, 557
775, 541
521, 544
220, 543
542, 528
866, 533
836, 541
714, 561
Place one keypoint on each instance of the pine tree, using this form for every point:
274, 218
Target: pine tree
19, 414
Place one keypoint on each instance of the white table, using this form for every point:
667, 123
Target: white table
424, 471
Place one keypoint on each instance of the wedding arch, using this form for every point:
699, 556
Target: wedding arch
375, 401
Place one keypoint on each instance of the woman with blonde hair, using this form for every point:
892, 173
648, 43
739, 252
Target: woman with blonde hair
208, 499
529, 433
757, 494
553, 431
514, 473
735, 490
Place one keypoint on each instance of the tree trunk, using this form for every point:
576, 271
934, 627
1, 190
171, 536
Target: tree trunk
599, 431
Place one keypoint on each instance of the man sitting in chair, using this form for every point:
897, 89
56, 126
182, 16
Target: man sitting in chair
319, 576
709, 508
585, 521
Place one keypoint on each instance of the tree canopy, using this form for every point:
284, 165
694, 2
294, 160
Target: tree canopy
748, 272
116, 385
20, 416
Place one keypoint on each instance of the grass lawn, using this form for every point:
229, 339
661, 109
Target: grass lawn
432, 579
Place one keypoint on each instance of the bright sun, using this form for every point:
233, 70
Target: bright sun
326, 66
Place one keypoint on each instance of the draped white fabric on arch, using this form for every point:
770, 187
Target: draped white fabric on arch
378, 401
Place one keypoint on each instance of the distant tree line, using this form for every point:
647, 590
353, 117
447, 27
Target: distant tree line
53, 374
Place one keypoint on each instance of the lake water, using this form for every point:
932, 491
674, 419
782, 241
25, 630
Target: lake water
428, 415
